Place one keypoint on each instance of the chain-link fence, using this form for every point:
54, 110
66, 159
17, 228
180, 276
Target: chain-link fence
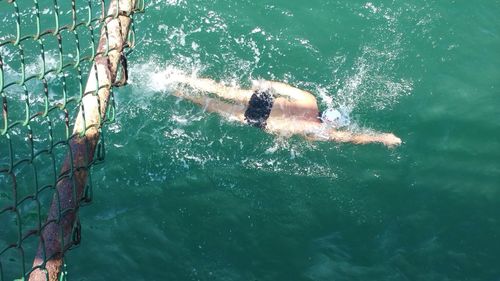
59, 61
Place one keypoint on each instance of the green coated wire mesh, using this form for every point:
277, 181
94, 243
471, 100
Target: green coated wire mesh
47, 49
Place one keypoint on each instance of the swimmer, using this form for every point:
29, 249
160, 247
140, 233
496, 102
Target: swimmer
277, 108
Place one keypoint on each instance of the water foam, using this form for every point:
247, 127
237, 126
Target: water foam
152, 77
371, 81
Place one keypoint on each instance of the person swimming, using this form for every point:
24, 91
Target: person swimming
277, 108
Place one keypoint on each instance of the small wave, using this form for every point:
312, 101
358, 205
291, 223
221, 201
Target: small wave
286, 156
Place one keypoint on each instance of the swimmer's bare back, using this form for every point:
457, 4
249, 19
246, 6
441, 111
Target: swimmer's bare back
293, 112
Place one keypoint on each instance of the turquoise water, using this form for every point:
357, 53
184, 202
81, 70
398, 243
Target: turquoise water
188, 195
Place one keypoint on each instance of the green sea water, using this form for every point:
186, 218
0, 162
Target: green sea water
188, 195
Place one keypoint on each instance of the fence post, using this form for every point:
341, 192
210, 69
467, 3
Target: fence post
56, 234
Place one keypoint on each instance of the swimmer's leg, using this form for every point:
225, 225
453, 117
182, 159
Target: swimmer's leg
228, 110
234, 94
290, 92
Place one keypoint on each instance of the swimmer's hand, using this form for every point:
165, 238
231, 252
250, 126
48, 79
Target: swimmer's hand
390, 140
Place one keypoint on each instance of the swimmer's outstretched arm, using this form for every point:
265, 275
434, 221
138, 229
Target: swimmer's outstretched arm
387, 139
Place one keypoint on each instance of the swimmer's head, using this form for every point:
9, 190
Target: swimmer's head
334, 118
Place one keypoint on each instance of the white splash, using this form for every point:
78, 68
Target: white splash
371, 7
152, 78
